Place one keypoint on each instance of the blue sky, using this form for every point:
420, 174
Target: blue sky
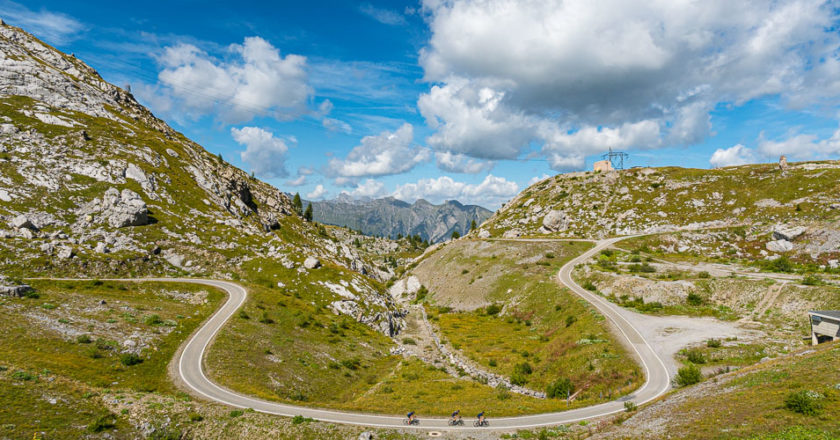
467, 100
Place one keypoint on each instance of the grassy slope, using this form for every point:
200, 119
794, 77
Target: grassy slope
63, 369
533, 327
308, 356
750, 403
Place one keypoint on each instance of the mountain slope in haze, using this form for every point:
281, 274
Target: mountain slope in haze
389, 217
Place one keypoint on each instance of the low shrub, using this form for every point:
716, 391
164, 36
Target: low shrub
265, 319
589, 285
84, 339
694, 299
518, 379
421, 294
695, 357
351, 364
129, 359
811, 280
236, 413
22, 375
713, 343
560, 389
297, 420
153, 320
409, 341
804, 402
493, 309
629, 406
523, 368
688, 375
103, 423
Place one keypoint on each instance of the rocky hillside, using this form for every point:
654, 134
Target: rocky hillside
92, 184
390, 217
801, 198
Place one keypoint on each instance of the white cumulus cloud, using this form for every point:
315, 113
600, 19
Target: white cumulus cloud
735, 155
491, 192
802, 146
255, 81
317, 193
576, 76
473, 120
461, 163
264, 153
369, 188
380, 155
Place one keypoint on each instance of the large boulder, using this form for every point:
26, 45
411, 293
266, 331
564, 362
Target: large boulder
789, 233
22, 222
16, 291
555, 221
65, 253
780, 246
408, 286
311, 263
124, 208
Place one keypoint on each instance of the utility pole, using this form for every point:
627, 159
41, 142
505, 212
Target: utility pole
616, 158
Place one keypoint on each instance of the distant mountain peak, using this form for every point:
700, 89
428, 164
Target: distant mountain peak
389, 216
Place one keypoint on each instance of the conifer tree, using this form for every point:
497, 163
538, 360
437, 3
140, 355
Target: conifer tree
297, 204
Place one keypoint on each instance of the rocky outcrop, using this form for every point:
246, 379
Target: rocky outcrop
117, 209
779, 246
789, 233
405, 288
554, 221
16, 291
22, 222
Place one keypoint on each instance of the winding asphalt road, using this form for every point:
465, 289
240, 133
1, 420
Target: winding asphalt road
190, 369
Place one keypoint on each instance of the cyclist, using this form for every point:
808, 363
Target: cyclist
480, 418
456, 417
411, 417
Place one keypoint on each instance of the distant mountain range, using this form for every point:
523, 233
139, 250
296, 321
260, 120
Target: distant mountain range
389, 216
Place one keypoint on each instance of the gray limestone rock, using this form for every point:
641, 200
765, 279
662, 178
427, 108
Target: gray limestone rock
21, 222
311, 263
16, 291
65, 253
555, 221
780, 246
789, 233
